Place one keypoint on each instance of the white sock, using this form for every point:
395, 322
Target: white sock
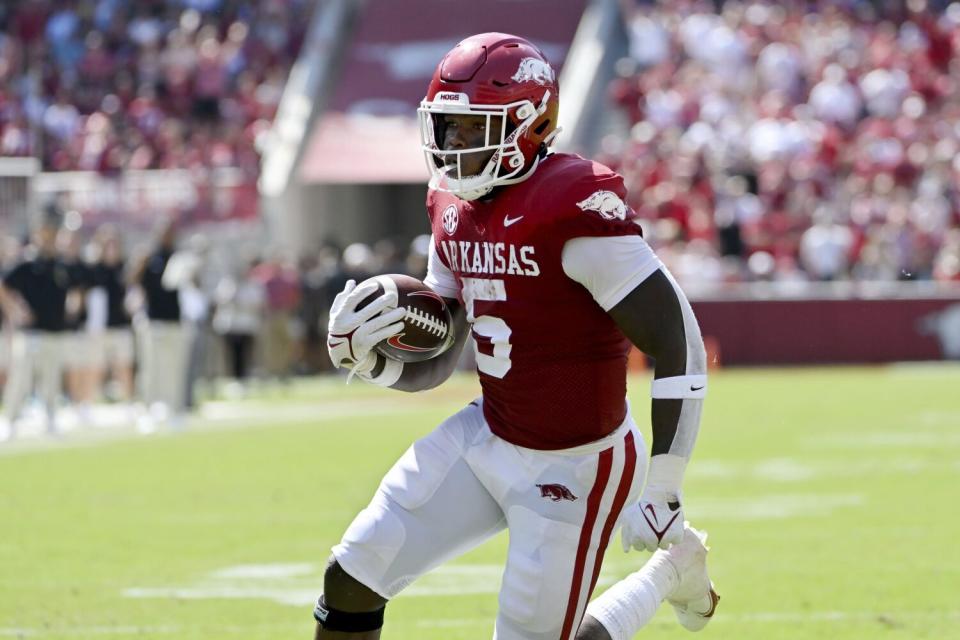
629, 605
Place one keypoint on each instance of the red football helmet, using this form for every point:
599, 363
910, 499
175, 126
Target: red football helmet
496, 75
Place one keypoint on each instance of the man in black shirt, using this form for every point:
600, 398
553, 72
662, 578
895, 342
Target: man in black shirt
161, 338
108, 322
79, 352
33, 296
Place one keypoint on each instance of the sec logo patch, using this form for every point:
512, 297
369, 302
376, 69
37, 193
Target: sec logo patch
450, 219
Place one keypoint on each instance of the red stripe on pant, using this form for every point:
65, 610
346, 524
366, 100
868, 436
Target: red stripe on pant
623, 490
586, 533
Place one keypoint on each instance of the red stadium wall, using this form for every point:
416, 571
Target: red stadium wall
755, 332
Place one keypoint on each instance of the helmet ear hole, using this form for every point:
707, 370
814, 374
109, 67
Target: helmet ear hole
542, 127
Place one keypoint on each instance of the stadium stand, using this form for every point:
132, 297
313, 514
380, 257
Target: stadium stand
108, 85
794, 141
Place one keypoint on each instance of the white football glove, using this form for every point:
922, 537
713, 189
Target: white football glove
352, 333
652, 524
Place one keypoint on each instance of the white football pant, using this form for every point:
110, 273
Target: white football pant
461, 484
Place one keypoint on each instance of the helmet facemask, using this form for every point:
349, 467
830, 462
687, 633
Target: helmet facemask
506, 165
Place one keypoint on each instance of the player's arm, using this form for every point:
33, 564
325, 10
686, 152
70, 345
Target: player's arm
653, 317
368, 326
631, 284
354, 332
657, 318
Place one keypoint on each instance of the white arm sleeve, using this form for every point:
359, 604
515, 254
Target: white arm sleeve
612, 267
439, 277
688, 425
609, 267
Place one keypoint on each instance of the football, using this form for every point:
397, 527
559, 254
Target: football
428, 324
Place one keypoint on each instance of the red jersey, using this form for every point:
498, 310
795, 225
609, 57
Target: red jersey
551, 361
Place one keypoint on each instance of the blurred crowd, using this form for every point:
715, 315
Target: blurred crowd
107, 85
88, 321
794, 141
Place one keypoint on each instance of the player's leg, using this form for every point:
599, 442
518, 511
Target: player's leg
429, 508
678, 575
356, 606
562, 508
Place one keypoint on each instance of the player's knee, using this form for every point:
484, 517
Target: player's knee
343, 591
347, 605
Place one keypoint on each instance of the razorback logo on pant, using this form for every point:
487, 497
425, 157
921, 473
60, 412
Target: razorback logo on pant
556, 492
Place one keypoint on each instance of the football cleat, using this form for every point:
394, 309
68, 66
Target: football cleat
694, 599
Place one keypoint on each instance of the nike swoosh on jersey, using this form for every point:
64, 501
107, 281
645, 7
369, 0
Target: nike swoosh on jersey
507, 220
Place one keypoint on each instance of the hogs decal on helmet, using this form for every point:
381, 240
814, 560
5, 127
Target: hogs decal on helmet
507, 80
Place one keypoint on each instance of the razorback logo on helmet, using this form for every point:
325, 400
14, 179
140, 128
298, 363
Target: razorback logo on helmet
450, 219
532, 69
606, 203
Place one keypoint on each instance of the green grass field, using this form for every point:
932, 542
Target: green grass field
830, 495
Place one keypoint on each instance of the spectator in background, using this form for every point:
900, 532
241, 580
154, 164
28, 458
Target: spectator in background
335, 278
10, 255
946, 266
281, 284
162, 342
313, 298
33, 296
188, 273
108, 320
78, 351
359, 262
417, 256
240, 303
826, 247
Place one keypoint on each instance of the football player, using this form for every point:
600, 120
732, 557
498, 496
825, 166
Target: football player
544, 266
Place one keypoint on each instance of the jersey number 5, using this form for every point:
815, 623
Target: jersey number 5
491, 335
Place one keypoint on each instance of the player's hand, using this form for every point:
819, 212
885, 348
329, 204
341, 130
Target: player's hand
657, 521
651, 525
352, 333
